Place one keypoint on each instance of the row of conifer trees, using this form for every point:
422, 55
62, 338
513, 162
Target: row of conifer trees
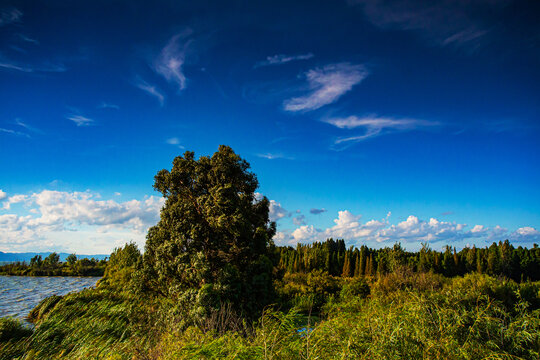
499, 259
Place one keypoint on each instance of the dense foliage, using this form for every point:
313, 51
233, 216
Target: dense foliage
401, 315
333, 257
212, 245
52, 266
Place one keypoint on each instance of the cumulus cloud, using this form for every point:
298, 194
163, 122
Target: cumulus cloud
19, 198
282, 59
447, 22
59, 212
412, 230
9, 16
171, 60
151, 90
317, 211
525, 234
277, 211
375, 125
326, 85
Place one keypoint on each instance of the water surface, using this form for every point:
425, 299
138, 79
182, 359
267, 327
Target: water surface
20, 294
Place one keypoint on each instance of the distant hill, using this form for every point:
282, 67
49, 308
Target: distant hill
12, 257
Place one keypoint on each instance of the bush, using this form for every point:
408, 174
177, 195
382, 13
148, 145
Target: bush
13, 329
404, 278
355, 287
121, 267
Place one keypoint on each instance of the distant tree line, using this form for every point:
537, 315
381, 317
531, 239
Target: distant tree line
332, 256
52, 266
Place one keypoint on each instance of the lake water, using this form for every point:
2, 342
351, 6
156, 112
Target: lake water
20, 294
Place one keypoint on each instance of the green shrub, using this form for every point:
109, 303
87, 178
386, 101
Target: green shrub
13, 329
355, 287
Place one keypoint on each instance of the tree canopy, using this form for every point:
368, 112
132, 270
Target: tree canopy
213, 243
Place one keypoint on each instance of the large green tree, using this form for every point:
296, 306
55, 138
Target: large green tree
213, 244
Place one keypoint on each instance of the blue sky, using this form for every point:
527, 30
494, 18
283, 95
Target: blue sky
375, 121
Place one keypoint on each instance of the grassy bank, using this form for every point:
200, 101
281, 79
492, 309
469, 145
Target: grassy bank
397, 316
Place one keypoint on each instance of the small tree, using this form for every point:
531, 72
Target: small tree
121, 266
212, 244
71, 259
52, 260
36, 261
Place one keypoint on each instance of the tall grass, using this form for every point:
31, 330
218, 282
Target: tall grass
398, 316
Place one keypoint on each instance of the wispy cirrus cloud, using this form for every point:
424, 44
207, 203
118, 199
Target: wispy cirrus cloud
273, 156
326, 85
175, 141
459, 23
106, 105
28, 39
282, 59
28, 126
170, 61
14, 132
374, 125
29, 68
80, 120
10, 16
151, 90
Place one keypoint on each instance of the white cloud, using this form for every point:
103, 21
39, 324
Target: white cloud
30, 68
304, 233
171, 59
173, 141
273, 156
28, 127
14, 200
9, 16
282, 59
277, 211
326, 85
478, 229
13, 132
375, 125
106, 105
51, 213
412, 230
80, 120
151, 90
525, 234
